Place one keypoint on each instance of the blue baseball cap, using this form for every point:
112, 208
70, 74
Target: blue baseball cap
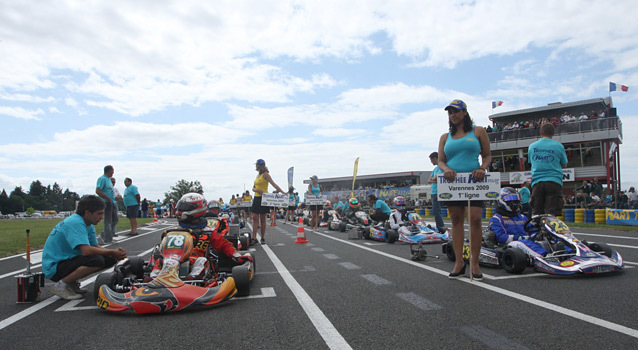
260, 162
457, 104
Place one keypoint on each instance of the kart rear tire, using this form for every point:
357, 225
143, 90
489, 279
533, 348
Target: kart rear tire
242, 280
514, 260
136, 264
449, 251
245, 242
342, 227
602, 247
392, 235
104, 279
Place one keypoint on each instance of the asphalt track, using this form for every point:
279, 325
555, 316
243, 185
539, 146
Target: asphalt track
339, 293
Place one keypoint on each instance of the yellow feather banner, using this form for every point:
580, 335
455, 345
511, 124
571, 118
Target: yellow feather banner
354, 176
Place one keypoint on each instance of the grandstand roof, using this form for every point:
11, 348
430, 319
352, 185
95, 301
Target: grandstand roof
373, 176
595, 103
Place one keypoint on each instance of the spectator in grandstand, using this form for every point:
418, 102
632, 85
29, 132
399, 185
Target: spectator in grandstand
436, 207
547, 158
459, 151
593, 201
581, 199
488, 129
315, 189
607, 201
582, 117
564, 118
585, 187
633, 198
623, 200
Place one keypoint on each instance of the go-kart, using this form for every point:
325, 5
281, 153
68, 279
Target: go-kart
241, 241
334, 222
421, 232
381, 231
359, 221
567, 255
324, 220
130, 287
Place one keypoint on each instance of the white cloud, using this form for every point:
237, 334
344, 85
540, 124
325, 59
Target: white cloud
21, 113
337, 132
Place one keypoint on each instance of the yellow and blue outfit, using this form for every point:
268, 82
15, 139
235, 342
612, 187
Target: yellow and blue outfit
260, 184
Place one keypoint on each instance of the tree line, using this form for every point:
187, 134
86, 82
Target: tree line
39, 197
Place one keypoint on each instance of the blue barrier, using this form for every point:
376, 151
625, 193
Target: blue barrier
570, 215
590, 216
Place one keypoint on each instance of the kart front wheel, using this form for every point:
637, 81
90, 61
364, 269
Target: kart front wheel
392, 235
104, 279
601, 248
449, 251
514, 260
242, 280
136, 264
245, 242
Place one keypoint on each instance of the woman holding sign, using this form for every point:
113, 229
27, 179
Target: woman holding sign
458, 152
314, 189
259, 211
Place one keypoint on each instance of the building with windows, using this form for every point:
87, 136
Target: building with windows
590, 130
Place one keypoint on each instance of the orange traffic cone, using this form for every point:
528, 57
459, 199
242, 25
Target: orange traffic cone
301, 233
273, 217
155, 217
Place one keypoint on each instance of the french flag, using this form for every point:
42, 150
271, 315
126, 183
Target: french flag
496, 103
612, 87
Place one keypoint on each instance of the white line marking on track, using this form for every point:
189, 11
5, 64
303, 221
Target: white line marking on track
70, 306
326, 329
268, 292
376, 279
599, 235
551, 307
350, 266
317, 249
622, 246
420, 302
490, 338
331, 256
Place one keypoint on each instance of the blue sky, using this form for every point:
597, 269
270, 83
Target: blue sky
199, 90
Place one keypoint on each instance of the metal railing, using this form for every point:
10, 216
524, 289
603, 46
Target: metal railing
575, 127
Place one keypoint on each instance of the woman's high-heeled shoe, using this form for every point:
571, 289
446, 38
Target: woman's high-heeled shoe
455, 275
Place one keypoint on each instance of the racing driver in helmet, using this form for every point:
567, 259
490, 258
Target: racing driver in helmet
399, 218
508, 224
191, 211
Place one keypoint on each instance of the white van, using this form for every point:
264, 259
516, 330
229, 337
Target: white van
420, 192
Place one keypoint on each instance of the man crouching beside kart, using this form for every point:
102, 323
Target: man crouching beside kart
399, 218
508, 224
191, 215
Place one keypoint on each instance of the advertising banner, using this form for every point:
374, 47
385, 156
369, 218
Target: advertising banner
275, 199
622, 217
316, 200
465, 187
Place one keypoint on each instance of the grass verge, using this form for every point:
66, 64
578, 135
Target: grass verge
13, 236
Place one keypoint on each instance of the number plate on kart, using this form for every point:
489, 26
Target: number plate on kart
466, 252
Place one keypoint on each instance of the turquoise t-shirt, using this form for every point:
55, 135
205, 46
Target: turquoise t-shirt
379, 204
436, 171
64, 241
315, 190
546, 157
130, 194
462, 154
524, 191
104, 183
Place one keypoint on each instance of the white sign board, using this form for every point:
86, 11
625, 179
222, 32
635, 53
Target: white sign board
274, 199
245, 204
518, 177
465, 187
316, 200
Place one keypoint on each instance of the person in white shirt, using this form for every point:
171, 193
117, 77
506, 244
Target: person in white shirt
583, 116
